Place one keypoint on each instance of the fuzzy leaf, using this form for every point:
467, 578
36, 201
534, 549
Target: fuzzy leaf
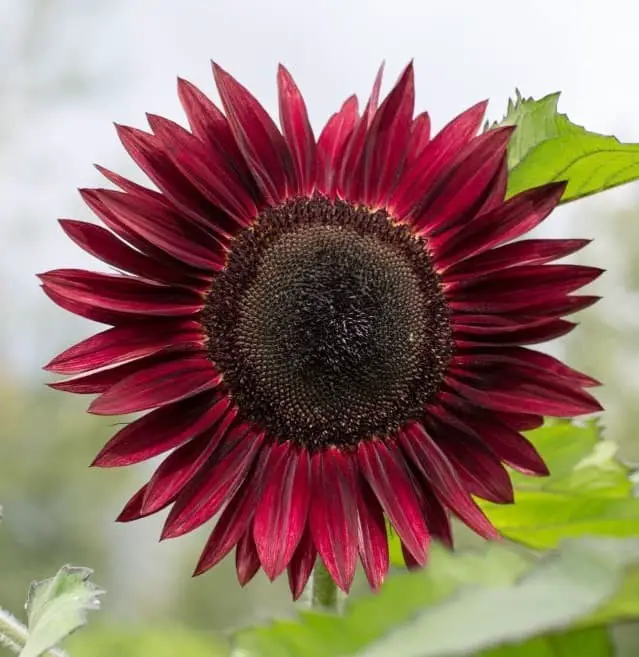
56, 607
547, 147
499, 597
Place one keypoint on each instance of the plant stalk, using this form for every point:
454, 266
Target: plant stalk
14, 635
324, 592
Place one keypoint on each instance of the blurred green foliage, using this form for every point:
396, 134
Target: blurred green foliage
156, 641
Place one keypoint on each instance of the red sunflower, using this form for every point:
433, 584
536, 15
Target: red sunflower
327, 333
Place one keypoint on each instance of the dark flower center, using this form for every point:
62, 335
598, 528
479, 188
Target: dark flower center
329, 323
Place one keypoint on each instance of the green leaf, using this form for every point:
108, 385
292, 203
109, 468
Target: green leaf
547, 147
579, 460
370, 617
131, 640
499, 597
588, 491
594, 642
625, 605
56, 607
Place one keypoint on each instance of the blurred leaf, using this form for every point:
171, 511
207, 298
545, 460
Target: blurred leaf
56, 607
588, 491
498, 597
594, 642
625, 605
133, 641
368, 618
542, 520
547, 147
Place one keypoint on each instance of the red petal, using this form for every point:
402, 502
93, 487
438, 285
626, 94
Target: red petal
127, 185
162, 430
497, 192
348, 182
532, 332
207, 169
263, 146
519, 421
92, 197
373, 99
160, 226
297, 131
518, 287
149, 154
177, 378
247, 563
372, 538
512, 448
560, 306
435, 467
419, 138
508, 390
524, 252
433, 158
386, 473
214, 484
517, 216
209, 124
122, 344
105, 246
409, 559
133, 508
280, 516
122, 294
462, 192
333, 513
331, 144
545, 364
101, 381
178, 469
90, 311
386, 142
301, 565
438, 519
502, 440
476, 465
235, 520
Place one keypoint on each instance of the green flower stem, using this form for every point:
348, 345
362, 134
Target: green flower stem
324, 593
14, 635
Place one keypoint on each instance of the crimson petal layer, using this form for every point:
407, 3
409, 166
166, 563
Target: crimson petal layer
122, 344
280, 516
333, 513
263, 146
162, 430
386, 473
170, 381
437, 470
372, 538
235, 521
214, 484
126, 295
177, 470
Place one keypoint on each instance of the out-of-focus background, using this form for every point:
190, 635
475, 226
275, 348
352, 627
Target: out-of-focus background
68, 68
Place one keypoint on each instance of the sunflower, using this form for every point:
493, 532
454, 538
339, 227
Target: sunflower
328, 334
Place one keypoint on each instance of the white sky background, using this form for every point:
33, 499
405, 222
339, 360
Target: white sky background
88, 63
